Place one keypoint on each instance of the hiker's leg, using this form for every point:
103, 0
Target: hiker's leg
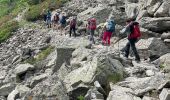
108, 37
74, 30
70, 31
127, 47
132, 44
104, 37
92, 34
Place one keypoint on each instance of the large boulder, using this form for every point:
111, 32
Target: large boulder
163, 10
22, 68
121, 93
165, 36
6, 89
51, 89
96, 12
100, 68
164, 62
160, 24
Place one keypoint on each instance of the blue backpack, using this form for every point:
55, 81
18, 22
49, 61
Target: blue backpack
63, 20
110, 26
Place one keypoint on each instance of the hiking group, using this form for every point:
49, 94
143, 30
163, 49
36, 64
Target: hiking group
58, 21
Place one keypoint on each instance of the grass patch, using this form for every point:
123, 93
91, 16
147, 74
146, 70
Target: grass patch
114, 78
6, 29
81, 97
35, 10
162, 66
41, 56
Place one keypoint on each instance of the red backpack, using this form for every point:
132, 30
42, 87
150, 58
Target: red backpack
73, 23
136, 32
93, 24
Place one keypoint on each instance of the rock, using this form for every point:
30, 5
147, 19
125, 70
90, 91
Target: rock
64, 71
165, 94
163, 10
64, 55
143, 13
22, 68
79, 55
164, 62
148, 34
153, 24
13, 95
121, 93
15, 59
150, 47
38, 79
100, 68
154, 8
148, 98
150, 73
131, 9
94, 94
165, 36
6, 89
51, 89
166, 84
144, 85
95, 12
23, 90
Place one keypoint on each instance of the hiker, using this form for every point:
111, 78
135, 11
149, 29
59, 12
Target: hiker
91, 27
62, 21
109, 28
133, 32
73, 23
48, 19
56, 20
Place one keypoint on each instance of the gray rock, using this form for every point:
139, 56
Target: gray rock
6, 89
164, 62
150, 73
165, 94
38, 79
13, 95
99, 69
163, 10
22, 68
148, 98
94, 94
165, 36
154, 24
51, 88
121, 93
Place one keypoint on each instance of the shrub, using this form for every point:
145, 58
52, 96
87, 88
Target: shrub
6, 29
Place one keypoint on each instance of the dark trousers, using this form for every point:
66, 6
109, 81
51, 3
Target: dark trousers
131, 43
92, 36
74, 30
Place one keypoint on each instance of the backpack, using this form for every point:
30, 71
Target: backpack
73, 23
56, 17
48, 15
93, 24
63, 20
135, 31
110, 26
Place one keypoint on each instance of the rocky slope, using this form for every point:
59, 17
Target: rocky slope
37, 63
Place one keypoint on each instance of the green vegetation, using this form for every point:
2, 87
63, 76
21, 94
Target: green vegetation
114, 78
41, 56
81, 97
11, 8
6, 29
162, 66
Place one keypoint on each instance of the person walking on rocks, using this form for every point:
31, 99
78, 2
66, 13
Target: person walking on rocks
73, 23
133, 32
48, 19
109, 28
91, 27
63, 22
